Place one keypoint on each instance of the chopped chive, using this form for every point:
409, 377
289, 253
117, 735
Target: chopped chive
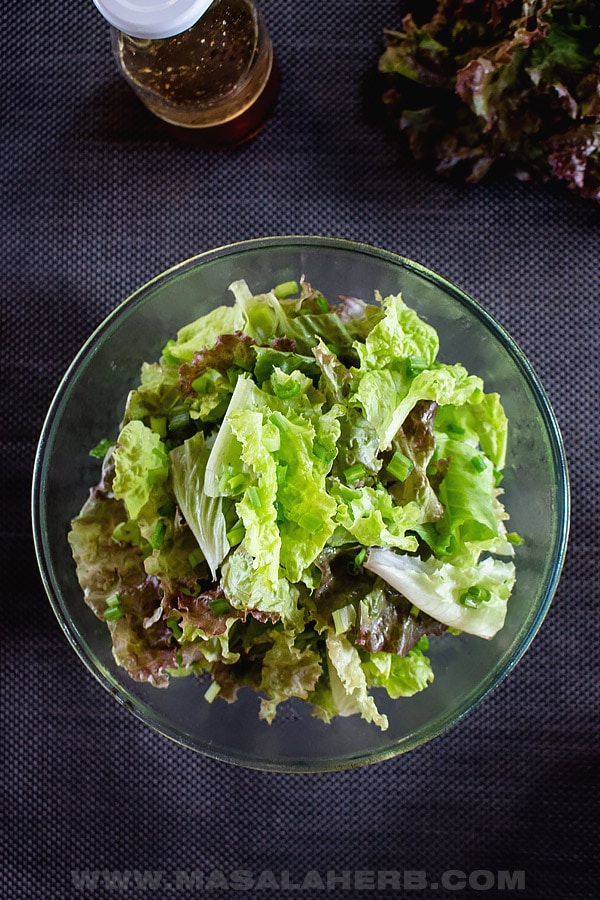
195, 557
415, 365
236, 484
158, 424
321, 303
400, 466
114, 599
212, 691
279, 509
101, 449
354, 473
310, 522
191, 592
279, 420
219, 607
113, 613
513, 538
254, 498
236, 534
344, 618
478, 463
323, 453
475, 596
179, 418
285, 289
281, 473
286, 391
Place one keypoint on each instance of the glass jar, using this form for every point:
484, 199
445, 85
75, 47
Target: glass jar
215, 83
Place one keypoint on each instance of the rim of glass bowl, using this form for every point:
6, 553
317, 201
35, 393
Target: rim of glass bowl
558, 462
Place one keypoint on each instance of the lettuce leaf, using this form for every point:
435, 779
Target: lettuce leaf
140, 461
203, 513
438, 588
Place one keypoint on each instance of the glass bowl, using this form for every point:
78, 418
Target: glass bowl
88, 406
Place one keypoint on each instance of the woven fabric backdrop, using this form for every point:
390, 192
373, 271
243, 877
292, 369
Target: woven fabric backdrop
95, 201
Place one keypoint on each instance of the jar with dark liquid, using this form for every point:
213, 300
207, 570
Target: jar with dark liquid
214, 83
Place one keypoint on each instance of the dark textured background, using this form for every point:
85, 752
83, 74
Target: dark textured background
94, 202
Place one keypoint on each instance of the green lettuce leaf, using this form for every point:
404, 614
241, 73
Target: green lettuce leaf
141, 463
203, 513
439, 588
401, 676
349, 686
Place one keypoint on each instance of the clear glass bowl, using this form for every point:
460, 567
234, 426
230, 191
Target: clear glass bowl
88, 406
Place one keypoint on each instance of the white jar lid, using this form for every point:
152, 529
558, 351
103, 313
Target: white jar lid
152, 19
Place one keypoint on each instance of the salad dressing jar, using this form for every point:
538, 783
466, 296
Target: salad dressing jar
204, 67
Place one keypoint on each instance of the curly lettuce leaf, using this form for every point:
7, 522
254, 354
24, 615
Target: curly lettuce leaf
140, 461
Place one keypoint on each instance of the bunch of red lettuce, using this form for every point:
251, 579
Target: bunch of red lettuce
513, 86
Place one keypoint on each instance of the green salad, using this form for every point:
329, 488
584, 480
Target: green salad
300, 498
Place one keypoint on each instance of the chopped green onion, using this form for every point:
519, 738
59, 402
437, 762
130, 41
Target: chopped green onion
479, 463
400, 466
415, 365
114, 610
219, 607
254, 498
321, 303
513, 538
113, 613
212, 691
281, 472
195, 557
158, 424
179, 418
191, 592
285, 289
280, 513
354, 473
323, 453
344, 618
475, 596
286, 391
310, 522
101, 449
236, 534
236, 484
279, 420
